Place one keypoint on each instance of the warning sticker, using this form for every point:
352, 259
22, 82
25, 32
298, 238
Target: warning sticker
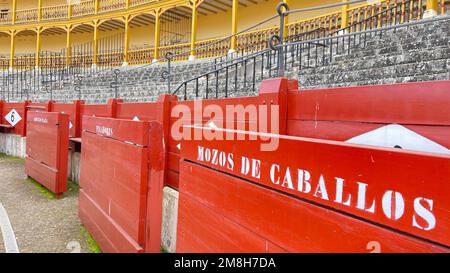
13, 117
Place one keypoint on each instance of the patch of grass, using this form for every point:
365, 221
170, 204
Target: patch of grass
11, 158
72, 189
93, 246
42, 189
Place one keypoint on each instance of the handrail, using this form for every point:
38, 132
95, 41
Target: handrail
252, 58
204, 44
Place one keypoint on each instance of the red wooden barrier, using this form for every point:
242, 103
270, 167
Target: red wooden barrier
13, 117
40, 106
414, 116
122, 205
113, 182
47, 149
311, 196
272, 92
74, 112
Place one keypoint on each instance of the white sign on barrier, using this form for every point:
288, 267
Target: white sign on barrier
13, 117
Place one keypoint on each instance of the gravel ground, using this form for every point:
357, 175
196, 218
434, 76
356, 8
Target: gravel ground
41, 224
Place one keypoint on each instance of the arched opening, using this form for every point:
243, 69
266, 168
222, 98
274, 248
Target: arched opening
175, 26
110, 44
53, 48
175, 32
25, 49
81, 46
5, 43
141, 39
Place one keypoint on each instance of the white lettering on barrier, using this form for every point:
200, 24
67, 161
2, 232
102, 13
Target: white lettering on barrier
40, 120
392, 202
102, 130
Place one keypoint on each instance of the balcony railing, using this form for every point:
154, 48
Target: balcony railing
110, 5
83, 8
55, 12
411, 9
141, 56
5, 17
134, 3
26, 15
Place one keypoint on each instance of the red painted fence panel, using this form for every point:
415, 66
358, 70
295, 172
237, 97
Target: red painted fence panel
414, 116
312, 195
74, 112
47, 149
122, 177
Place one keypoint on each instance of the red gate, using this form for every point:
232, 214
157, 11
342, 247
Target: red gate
47, 149
121, 181
310, 196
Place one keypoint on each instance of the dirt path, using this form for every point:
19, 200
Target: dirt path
40, 224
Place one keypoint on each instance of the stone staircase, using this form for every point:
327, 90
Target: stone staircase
406, 54
411, 54
133, 83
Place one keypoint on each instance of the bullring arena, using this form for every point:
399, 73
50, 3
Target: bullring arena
225, 126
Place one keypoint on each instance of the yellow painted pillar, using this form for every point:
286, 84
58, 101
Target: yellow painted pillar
344, 16
69, 10
157, 35
193, 31
68, 47
14, 10
432, 9
97, 6
12, 51
39, 10
286, 22
95, 46
126, 43
234, 26
38, 48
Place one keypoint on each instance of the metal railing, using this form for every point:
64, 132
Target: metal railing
317, 48
247, 41
222, 78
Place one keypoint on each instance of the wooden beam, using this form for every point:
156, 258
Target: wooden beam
213, 6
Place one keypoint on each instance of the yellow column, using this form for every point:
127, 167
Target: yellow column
432, 9
38, 48
95, 45
193, 31
126, 43
286, 22
234, 26
14, 10
157, 35
39, 10
97, 6
12, 51
344, 21
68, 47
69, 9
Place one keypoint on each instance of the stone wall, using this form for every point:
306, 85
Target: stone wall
13, 145
412, 54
